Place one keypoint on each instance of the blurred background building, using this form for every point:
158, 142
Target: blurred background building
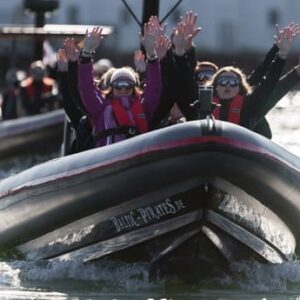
234, 31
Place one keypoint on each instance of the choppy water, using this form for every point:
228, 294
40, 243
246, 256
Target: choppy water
108, 280
28, 280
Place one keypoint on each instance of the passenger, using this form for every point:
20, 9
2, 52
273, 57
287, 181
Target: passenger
239, 104
204, 71
175, 63
122, 110
75, 110
39, 92
267, 75
80, 138
11, 107
255, 78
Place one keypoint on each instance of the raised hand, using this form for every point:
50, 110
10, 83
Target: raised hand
295, 29
92, 39
72, 50
148, 39
139, 61
62, 61
162, 46
160, 29
191, 29
285, 37
179, 39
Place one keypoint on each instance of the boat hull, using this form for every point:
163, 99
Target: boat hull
30, 135
190, 193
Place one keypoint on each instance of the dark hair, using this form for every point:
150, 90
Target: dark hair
245, 88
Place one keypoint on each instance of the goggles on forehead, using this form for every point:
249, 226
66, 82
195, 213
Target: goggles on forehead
204, 75
228, 80
123, 84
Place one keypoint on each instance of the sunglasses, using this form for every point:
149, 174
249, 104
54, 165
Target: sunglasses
123, 84
228, 80
204, 75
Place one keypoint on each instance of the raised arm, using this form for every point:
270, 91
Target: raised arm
263, 91
285, 84
152, 88
72, 53
261, 70
187, 88
71, 109
89, 92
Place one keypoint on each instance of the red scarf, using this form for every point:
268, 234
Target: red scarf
137, 111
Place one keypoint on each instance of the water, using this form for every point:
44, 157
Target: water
109, 280
29, 280
285, 123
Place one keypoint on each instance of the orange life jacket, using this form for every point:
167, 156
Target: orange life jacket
234, 110
137, 111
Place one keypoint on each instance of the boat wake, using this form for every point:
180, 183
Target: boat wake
109, 276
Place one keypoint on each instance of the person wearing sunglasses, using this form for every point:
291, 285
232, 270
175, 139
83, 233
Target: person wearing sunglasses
237, 101
240, 103
123, 109
264, 77
204, 71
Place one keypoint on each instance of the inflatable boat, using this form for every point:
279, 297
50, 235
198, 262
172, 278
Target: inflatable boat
31, 134
188, 199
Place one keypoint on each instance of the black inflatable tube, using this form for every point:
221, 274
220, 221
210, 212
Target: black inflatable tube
52, 194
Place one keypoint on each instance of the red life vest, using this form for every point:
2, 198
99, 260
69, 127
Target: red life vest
137, 111
47, 87
234, 110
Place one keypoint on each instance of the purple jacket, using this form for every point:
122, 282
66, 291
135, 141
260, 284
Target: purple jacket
99, 107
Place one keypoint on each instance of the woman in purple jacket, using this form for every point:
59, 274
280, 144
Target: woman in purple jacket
123, 110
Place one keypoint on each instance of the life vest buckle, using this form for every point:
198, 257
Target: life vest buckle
132, 131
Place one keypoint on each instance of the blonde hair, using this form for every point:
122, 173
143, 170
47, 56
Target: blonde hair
105, 78
206, 64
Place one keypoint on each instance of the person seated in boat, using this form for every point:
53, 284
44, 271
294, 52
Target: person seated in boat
241, 103
80, 137
181, 53
123, 110
38, 92
256, 78
204, 71
67, 61
10, 98
258, 94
